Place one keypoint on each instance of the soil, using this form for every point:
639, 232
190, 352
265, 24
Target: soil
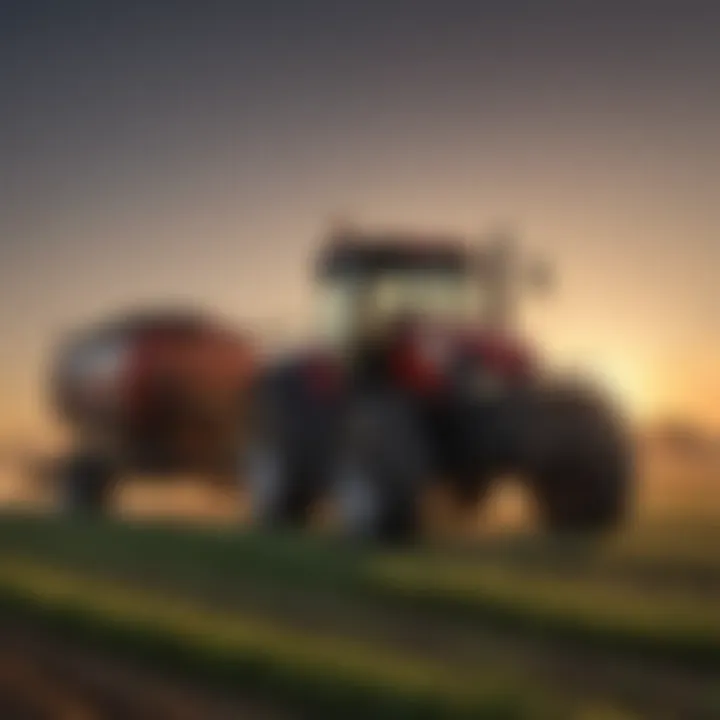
46, 678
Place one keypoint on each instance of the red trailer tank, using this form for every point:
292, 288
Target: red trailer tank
160, 391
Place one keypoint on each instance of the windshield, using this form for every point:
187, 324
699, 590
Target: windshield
347, 303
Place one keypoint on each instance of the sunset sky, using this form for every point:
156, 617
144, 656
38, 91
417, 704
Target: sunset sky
186, 150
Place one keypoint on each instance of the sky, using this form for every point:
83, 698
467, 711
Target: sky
154, 151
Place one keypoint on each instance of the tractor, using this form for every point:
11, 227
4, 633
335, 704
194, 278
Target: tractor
421, 378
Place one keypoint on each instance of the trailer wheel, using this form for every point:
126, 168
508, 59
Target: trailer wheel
87, 481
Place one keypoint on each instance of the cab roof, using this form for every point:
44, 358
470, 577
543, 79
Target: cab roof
354, 252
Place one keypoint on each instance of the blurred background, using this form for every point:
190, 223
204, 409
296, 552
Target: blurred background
156, 155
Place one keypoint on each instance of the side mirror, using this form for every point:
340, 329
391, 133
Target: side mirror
541, 278
499, 263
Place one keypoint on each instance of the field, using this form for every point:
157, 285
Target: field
507, 626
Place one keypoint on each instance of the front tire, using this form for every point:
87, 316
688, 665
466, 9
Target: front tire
381, 473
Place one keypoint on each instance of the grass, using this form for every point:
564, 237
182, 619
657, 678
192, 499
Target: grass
573, 592
326, 676
605, 615
80, 577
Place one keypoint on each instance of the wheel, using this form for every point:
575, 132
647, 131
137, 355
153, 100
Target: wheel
87, 481
582, 475
381, 473
375, 507
285, 458
278, 493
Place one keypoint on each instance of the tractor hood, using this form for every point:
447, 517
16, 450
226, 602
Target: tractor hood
507, 355
426, 357
421, 359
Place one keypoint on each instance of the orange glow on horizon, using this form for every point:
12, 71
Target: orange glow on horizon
632, 387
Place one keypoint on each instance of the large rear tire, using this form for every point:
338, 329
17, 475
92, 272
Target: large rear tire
582, 472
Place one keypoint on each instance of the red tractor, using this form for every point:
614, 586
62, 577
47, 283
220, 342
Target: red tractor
159, 392
420, 380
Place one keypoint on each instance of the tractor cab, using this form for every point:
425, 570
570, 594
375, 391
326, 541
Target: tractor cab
368, 283
410, 298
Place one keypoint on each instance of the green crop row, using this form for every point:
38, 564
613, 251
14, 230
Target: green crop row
681, 556
669, 560
587, 609
325, 676
606, 615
